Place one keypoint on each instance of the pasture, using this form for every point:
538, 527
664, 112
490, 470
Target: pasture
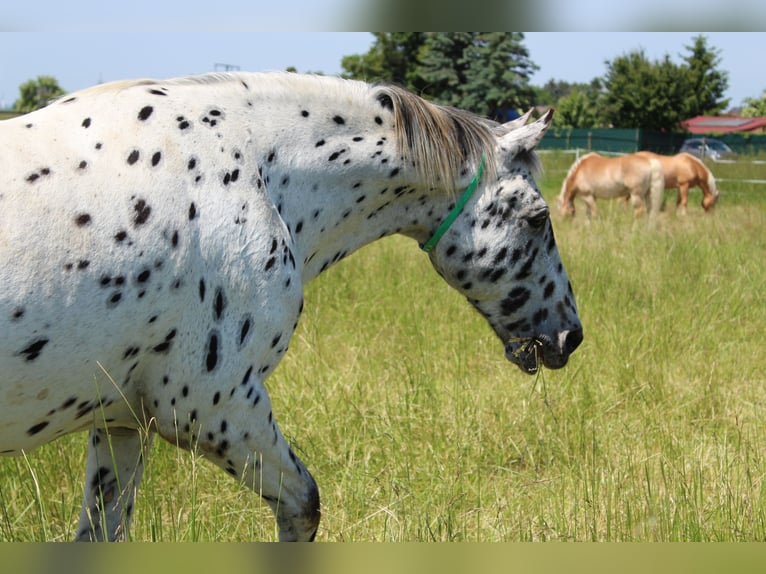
417, 428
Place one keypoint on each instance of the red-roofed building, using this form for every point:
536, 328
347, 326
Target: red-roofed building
724, 124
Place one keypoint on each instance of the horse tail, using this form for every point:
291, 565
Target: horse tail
656, 186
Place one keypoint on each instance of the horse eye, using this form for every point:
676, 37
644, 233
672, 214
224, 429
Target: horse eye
539, 218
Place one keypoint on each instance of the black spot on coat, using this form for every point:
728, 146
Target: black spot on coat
142, 212
33, 430
33, 349
82, 219
219, 304
145, 112
211, 359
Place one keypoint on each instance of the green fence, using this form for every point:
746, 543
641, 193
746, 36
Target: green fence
632, 140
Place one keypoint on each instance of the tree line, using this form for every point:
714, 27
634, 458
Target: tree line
489, 73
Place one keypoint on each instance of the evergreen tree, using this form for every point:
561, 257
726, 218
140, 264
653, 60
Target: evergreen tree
706, 83
497, 76
444, 61
484, 72
487, 73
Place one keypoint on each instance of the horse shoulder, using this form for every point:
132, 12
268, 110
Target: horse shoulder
584, 172
574, 175
699, 168
688, 168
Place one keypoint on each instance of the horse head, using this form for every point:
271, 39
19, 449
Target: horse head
501, 254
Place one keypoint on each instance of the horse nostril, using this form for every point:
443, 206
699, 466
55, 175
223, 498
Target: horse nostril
573, 340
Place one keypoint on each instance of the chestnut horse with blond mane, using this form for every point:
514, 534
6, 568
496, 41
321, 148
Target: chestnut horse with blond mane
682, 171
631, 176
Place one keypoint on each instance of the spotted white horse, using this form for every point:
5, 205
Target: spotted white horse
155, 238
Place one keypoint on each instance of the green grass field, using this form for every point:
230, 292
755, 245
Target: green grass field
397, 396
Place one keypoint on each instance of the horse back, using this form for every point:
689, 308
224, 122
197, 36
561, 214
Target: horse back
607, 176
680, 169
593, 171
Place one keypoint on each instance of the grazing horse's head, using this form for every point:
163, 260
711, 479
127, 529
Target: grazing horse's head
501, 254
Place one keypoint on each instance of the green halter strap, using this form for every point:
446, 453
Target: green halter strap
452, 216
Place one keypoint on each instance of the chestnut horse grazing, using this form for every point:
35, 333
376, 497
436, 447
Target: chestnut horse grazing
682, 171
629, 176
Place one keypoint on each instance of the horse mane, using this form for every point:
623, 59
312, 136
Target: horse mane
710, 177
572, 169
438, 140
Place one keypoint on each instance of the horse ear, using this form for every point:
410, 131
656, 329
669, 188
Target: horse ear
525, 137
514, 124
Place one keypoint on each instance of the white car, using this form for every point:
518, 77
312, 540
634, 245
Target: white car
707, 148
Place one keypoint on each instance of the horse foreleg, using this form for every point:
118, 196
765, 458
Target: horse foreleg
682, 199
638, 205
113, 472
590, 205
249, 446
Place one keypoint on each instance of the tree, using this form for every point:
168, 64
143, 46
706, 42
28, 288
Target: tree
484, 72
659, 95
706, 84
487, 73
443, 65
754, 107
671, 103
578, 109
644, 94
497, 75
36, 94
553, 91
394, 57
577, 105
629, 87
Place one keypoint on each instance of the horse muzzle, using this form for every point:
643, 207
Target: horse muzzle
530, 352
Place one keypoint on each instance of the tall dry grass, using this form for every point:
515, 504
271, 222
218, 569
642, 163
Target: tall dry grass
397, 396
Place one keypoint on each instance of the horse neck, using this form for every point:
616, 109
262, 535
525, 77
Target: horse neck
566, 189
568, 184
340, 184
706, 176
710, 179
330, 219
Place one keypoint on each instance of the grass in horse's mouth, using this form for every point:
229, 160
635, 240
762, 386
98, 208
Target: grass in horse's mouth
520, 350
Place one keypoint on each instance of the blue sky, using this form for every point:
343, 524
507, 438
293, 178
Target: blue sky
81, 58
